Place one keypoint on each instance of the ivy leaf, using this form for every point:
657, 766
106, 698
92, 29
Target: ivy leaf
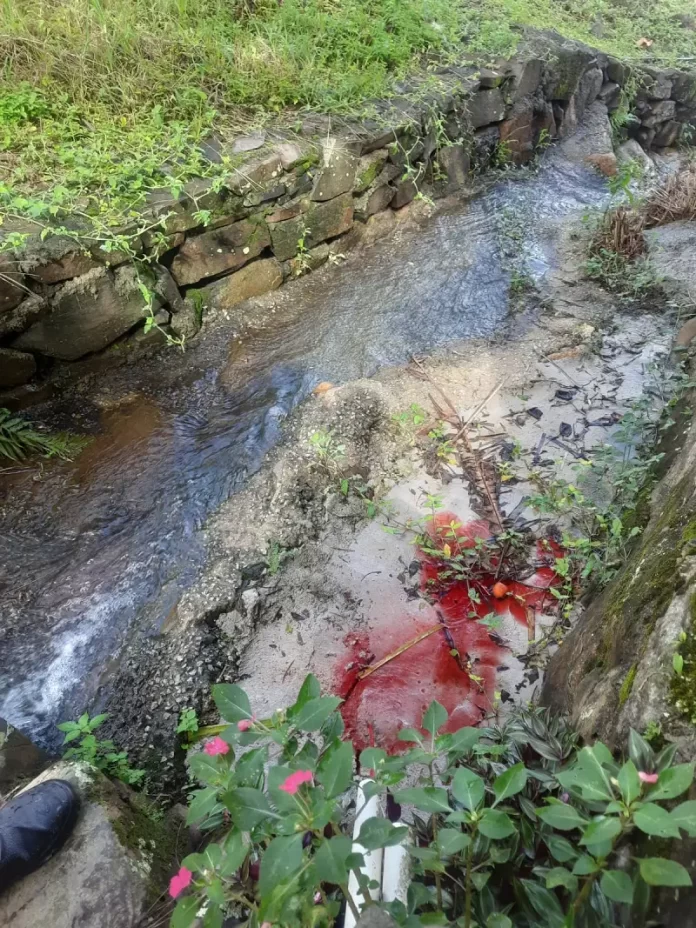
315, 712
561, 816
559, 876
509, 783
629, 782
657, 871
468, 788
330, 859
232, 702
654, 820
672, 782
601, 829
434, 718
617, 886
379, 832
496, 824
427, 798
685, 817
248, 807
335, 772
450, 841
280, 860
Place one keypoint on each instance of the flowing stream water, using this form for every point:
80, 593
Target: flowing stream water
98, 550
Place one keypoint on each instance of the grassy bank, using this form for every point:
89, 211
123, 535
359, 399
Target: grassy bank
102, 99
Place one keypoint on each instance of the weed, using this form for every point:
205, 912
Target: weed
275, 558
101, 754
328, 451
18, 440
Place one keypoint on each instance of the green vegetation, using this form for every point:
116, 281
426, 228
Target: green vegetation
18, 440
102, 754
513, 824
102, 100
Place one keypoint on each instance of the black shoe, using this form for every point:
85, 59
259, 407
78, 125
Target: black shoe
33, 826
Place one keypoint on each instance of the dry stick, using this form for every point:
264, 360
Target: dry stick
400, 650
565, 373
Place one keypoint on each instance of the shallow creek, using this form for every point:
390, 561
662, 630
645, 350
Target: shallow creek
99, 550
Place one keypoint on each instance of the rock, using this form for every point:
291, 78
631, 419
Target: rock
20, 759
671, 252
220, 250
315, 257
255, 174
16, 367
373, 917
646, 136
55, 259
488, 78
684, 87
373, 201
485, 146
454, 161
12, 290
369, 168
406, 190
485, 107
592, 137
526, 77
605, 164
378, 226
656, 113
252, 280
290, 155
632, 151
319, 222
22, 316
337, 174
617, 71
588, 90
175, 213
667, 134
258, 197
517, 133
566, 70
250, 142
610, 96
655, 84
86, 315
112, 868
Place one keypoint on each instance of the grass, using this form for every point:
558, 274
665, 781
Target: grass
101, 100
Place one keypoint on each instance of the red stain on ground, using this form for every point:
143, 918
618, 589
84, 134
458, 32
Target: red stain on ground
456, 665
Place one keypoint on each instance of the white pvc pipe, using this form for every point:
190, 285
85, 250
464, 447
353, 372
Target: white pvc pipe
396, 872
373, 859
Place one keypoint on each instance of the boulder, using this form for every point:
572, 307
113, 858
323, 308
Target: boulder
86, 315
454, 162
373, 201
12, 290
684, 87
20, 759
667, 134
588, 89
112, 868
256, 173
652, 114
55, 259
252, 280
372, 917
16, 367
485, 146
23, 315
526, 76
320, 222
632, 151
299, 266
592, 137
337, 174
610, 96
220, 250
485, 107
406, 191
517, 132
672, 254
565, 71
369, 168
654, 84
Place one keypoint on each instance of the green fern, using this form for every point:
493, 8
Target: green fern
18, 440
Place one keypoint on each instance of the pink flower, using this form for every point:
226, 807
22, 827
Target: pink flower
216, 746
266, 925
647, 777
565, 797
179, 882
245, 724
295, 780
317, 898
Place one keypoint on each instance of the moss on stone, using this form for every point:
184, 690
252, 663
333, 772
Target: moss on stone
683, 685
689, 533
627, 684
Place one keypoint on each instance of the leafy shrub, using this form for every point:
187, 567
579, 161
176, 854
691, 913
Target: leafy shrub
18, 440
101, 754
513, 824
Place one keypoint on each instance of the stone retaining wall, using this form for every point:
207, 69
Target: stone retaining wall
295, 200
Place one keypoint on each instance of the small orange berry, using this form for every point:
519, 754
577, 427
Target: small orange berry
500, 590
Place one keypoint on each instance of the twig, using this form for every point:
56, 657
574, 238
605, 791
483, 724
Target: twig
400, 650
565, 373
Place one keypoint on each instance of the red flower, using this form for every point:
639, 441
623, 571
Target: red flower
216, 746
179, 882
647, 777
292, 783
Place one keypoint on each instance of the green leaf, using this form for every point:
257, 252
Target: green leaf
250, 766
678, 664
310, 689
509, 783
206, 769
426, 798
450, 841
463, 740
248, 807
335, 772
559, 876
601, 829
315, 712
213, 917
468, 788
585, 865
629, 782
684, 816
544, 903
593, 780
410, 734
640, 751
654, 820
496, 824
371, 758
202, 804
280, 860
234, 853
498, 920
561, 816
672, 782
617, 886
656, 871
379, 832
215, 892
434, 718
560, 849
330, 859
232, 702
185, 912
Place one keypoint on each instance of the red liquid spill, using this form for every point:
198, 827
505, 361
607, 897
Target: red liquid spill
396, 695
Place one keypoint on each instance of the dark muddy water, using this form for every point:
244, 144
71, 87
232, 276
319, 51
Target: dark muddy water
97, 551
